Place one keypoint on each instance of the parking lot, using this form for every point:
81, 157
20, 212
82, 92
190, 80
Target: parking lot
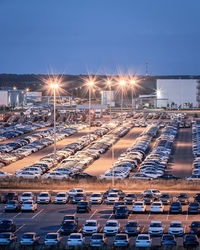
48, 218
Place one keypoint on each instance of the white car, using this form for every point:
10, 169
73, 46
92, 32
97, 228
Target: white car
44, 197
4, 175
26, 196
28, 175
52, 239
111, 227
176, 228
157, 207
90, 227
29, 239
154, 192
75, 239
112, 198
61, 198
143, 240
138, 207
155, 228
56, 176
29, 206
74, 191
96, 198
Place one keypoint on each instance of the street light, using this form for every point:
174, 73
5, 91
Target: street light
109, 84
132, 83
54, 86
90, 85
122, 84
14, 88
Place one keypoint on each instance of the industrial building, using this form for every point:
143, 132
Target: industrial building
177, 93
12, 98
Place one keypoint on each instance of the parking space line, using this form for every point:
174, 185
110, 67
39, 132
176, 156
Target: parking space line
186, 218
167, 216
17, 215
148, 216
110, 216
92, 214
20, 228
37, 214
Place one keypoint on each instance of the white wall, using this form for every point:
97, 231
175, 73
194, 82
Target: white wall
3, 98
179, 91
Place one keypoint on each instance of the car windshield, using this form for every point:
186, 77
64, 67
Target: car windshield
155, 225
26, 195
68, 223
79, 195
143, 237
120, 237
5, 223
196, 224
97, 237
95, 195
11, 202
28, 202
132, 224
138, 204
176, 225
61, 195
148, 196
51, 236
75, 236
111, 224
168, 237
156, 204
28, 236
4, 236
90, 224
164, 196
194, 204
113, 195
130, 195
43, 195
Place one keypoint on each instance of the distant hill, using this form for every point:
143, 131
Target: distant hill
74, 84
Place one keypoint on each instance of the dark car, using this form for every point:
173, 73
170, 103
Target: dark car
12, 205
148, 198
83, 206
165, 198
132, 228
79, 197
70, 217
117, 204
7, 239
168, 240
83, 176
195, 228
175, 207
190, 241
98, 240
183, 198
10, 196
7, 225
68, 227
130, 198
122, 212
197, 197
169, 177
118, 191
193, 208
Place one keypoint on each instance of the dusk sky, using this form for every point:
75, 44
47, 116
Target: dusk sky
100, 36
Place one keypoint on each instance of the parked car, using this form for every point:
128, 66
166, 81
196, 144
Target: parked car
98, 240
155, 228
61, 198
30, 239
29, 205
26, 196
83, 206
75, 240
139, 207
165, 198
7, 225
121, 212
96, 198
195, 228
132, 228
10, 196
70, 217
157, 207
183, 198
175, 207
44, 197
79, 197
90, 227
12, 205
190, 241
112, 227
7, 239
168, 240
52, 239
143, 240
176, 228
121, 240
68, 226
130, 198
193, 208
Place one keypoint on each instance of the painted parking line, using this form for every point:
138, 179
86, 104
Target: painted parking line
167, 216
20, 228
92, 214
37, 214
17, 215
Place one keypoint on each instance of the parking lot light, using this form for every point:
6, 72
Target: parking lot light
122, 83
90, 85
54, 86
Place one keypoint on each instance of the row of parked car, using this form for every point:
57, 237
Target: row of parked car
155, 164
65, 155
196, 151
31, 144
82, 159
133, 156
20, 129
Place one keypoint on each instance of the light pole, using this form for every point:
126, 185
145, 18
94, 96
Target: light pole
109, 84
122, 84
90, 84
132, 82
54, 86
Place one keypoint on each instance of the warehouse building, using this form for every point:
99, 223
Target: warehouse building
12, 98
177, 93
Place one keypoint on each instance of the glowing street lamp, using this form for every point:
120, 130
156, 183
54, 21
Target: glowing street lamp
27, 89
109, 83
132, 83
122, 83
14, 88
90, 85
54, 86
